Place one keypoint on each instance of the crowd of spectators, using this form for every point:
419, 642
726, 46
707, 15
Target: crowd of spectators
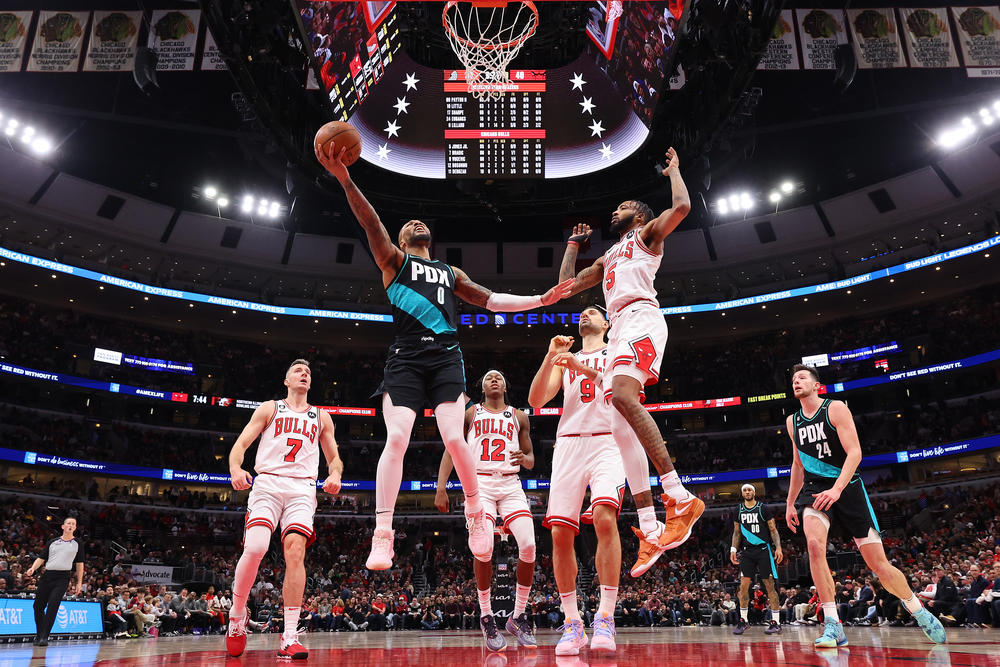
61, 340
947, 539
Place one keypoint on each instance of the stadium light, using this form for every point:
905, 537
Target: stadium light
273, 210
247, 204
734, 202
745, 201
42, 146
222, 202
210, 191
28, 135
774, 197
722, 206
787, 187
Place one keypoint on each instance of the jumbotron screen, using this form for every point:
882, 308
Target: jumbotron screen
554, 123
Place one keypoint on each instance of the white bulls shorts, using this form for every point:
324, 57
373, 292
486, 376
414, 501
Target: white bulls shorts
579, 462
502, 497
635, 344
288, 502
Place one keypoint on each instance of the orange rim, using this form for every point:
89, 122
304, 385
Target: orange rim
488, 3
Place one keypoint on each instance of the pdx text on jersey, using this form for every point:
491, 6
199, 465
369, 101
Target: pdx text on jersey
815, 434
752, 521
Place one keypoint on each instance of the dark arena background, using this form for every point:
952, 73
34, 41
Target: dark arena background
169, 244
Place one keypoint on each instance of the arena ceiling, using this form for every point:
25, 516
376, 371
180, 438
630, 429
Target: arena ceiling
196, 127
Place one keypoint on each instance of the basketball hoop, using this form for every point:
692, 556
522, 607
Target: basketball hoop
486, 37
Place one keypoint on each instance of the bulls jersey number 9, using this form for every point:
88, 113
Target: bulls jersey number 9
493, 437
584, 411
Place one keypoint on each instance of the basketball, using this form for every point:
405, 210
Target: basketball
341, 135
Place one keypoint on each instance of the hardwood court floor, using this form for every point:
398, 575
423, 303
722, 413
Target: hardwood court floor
691, 647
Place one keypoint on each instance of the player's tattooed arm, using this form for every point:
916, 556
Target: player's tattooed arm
568, 267
524, 457
776, 538
469, 291
659, 227
387, 256
587, 278
736, 544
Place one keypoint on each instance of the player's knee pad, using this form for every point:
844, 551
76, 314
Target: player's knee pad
526, 552
523, 530
486, 557
256, 540
872, 538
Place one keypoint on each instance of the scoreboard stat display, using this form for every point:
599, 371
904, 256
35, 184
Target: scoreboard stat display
495, 137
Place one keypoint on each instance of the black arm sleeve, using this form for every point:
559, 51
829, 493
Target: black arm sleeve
765, 513
79, 553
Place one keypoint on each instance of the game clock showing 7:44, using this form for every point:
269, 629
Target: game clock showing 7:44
501, 137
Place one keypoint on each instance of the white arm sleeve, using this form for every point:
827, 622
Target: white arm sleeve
512, 303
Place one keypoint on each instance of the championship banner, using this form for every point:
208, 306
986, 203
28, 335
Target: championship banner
781, 53
821, 31
173, 34
211, 59
13, 37
979, 36
113, 40
928, 37
58, 41
876, 39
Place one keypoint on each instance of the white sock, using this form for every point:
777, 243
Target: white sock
472, 504
383, 519
521, 599
647, 520
569, 606
672, 486
776, 616
609, 596
291, 622
743, 613
485, 608
913, 604
830, 612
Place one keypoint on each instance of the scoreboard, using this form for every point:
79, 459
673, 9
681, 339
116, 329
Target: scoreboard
501, 137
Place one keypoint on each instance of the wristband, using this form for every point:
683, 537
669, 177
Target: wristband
572, 242
732, 549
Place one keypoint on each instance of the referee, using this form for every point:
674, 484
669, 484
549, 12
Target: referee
60, 555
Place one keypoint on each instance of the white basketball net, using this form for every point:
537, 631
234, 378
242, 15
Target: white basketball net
614, 9
486, 39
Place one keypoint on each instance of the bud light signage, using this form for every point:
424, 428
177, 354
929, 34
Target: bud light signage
17, 617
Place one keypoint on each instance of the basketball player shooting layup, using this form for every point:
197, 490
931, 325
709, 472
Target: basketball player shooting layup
500, 441
291, 434
825, 457
635, 350
425, 362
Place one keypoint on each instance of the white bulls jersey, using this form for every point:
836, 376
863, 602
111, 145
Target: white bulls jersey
629, 270
584, 409
493, 438
289, 445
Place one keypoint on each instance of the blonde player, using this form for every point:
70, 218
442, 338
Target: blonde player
499, 438
585, 455
284, 494
635, 349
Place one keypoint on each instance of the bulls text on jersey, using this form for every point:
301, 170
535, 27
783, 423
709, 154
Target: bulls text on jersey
493, 426
296, 426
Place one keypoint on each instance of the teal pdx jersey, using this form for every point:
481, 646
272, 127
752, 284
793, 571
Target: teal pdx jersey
423, 299
818, 444
753, 526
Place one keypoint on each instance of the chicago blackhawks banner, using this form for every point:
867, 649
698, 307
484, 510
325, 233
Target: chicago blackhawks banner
173, 33
113, 39
821, 31
211, 59
928, 37
876, 38
13, 36
58, 41
978, 31
781, 52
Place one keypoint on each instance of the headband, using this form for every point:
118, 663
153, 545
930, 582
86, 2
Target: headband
498, 373
748, 485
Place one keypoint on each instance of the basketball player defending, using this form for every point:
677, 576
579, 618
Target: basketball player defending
757, 557
825, 458
499, 439
585, 455
425, 362
291, 434
635, 348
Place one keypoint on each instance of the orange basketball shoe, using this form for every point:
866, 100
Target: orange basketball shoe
680, 519
649, 551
